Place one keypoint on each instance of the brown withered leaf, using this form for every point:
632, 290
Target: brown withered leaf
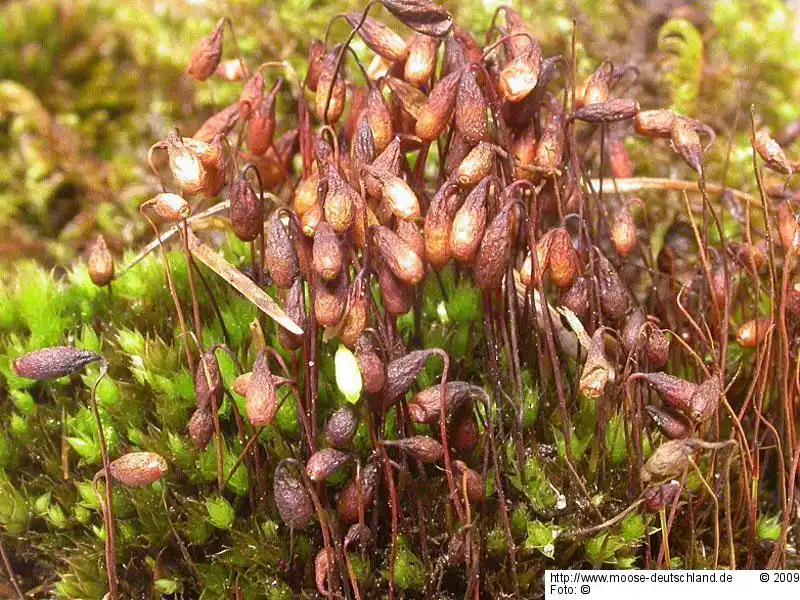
214, 261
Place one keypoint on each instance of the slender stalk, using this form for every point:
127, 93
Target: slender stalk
171, 285
107, 504
10, 570
198, 326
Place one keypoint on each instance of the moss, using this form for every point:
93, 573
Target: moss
58, 190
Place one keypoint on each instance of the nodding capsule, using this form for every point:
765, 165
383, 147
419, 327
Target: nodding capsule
771, 152
331, 89
52, 363
470, 110
421, 60
247, 210
138, 469
206, 55
261, 401
291, 498
420, 447
379, 38
100, 263
435, 113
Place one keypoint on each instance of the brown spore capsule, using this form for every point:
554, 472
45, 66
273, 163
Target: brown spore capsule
470, 110
379, 118
576, 297
657, 497
340, 202
387, 162
686, 143
420, 447
404, 263
753, 332
598, 86
100, 262
220, 123
597, 370
631, 335
657, 348
294, 305
421, 59
411, 234
476, 165
201, 428
610, 111
402, 372
469, 223
379, 38
619, 160
654, 123
464, 432
562, 259
355, 321
311, 220
550, 150
246, 211
327, 253
672, 424
705, 401
330, 299
675, 392
409, 98
668, 460
524, 150
401, 199
435, 113
331, 90
324, 463
613, 294
425, 407
358, 536
252, 93
372, 367
52, 363
261, 401
358, 492
208, 382
437, 228
186, 166
171, 207
341, 427
771, 152
138, 469
305, 195
470, 49
322, 569
292, 500
624, 234
787, 226
471, 480
205, 56
230, 70
396, 295
281, 257
261, 126
316, 56
520, 76
494, 253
